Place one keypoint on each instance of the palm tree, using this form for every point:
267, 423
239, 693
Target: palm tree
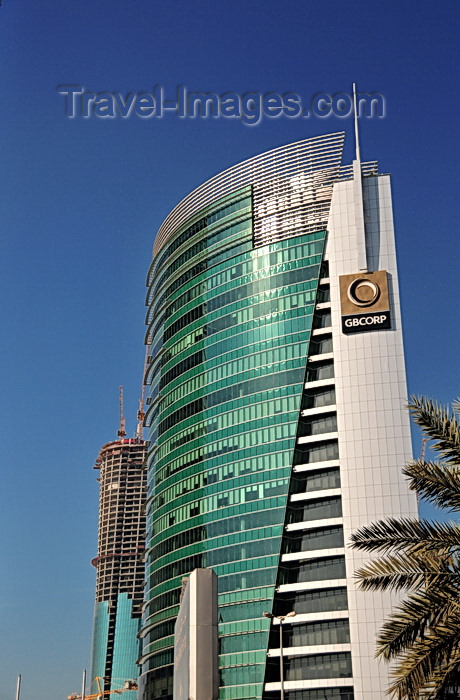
423, 558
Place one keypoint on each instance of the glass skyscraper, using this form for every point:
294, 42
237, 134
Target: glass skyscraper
277, 419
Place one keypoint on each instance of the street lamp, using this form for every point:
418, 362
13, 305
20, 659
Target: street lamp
281, 618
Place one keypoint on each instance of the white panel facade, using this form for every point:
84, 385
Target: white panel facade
372, 417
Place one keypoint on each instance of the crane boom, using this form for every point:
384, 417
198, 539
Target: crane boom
128, 685
141, 412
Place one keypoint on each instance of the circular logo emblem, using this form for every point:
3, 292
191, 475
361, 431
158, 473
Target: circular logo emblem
363, 292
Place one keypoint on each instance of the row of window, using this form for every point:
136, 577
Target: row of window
243, 611
233, 276
297, 321
248, 579
312, 634
237, 575
265, 378
165, 605
185, 514
240, 675
298, 294
318, 347
236, 430
316, 452
217, 528
240, 552
191, 231
316, 480
311, 540
321, 694
228, 255
242, 642
273, 287
238, 315
313, 570
273, 324
196, 456
270, 298
238, 359
306, 602
317, 398
316, 509
220, 500
228, 470
224, 542
302, 668
183, 321
200, 246
320, 370
275, 409
253, 265
317, 425
215, 485
323, 319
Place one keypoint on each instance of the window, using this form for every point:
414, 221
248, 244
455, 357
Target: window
316, 452
319, 347
317, 426
314, 570
318, 666
316, 510
317, 398
322, 538
313, 634
317, 480
304, 602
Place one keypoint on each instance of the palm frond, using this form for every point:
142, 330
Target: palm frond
407, 534
438, 483
410, 620
439, 424
399, 571
445, 682
425, 658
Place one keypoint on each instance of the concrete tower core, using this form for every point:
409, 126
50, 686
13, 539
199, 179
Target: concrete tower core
119, 564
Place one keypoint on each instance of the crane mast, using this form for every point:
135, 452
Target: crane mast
141, 413
122, 430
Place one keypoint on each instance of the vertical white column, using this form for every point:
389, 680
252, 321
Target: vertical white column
373, 421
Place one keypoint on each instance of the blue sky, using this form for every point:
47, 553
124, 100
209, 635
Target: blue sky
82, 199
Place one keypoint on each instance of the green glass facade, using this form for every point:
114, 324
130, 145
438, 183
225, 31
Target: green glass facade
229, 327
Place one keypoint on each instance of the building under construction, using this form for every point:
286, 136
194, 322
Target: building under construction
119, 561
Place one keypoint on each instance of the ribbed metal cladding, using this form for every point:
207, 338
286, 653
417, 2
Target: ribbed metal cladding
296, 178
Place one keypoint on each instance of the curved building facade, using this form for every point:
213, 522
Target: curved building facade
275, 429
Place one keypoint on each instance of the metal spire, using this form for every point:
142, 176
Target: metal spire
355, 112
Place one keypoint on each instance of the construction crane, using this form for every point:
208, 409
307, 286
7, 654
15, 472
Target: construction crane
141, 413
423, 450
422, 459
128, 685
122, 430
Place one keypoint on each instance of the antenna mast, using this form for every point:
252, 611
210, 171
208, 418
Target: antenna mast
122, 431
355, 111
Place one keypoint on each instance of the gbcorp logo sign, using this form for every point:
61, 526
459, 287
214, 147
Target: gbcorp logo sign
364, 302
